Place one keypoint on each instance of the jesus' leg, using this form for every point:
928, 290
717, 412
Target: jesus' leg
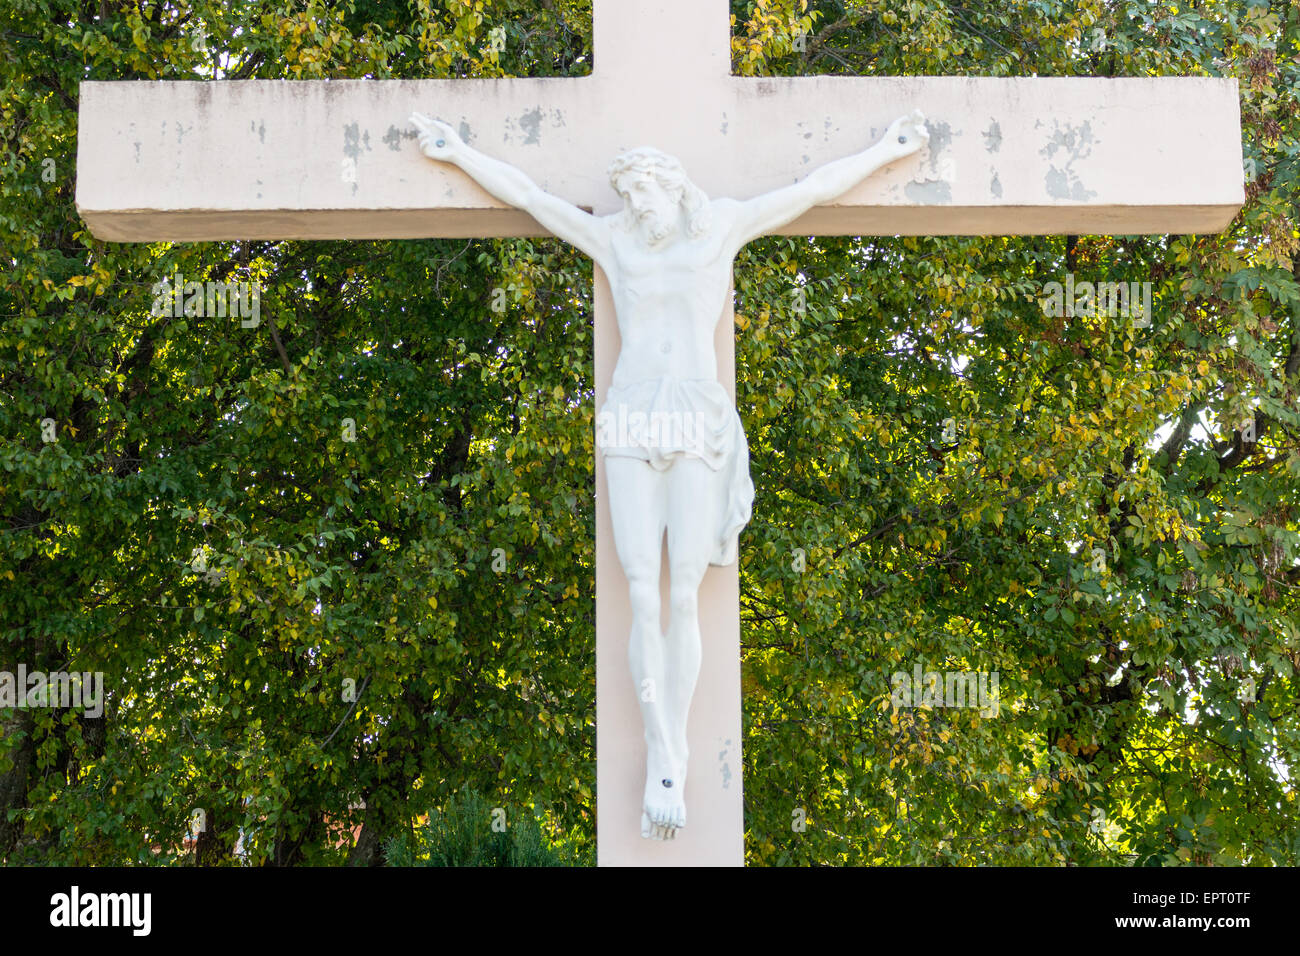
638, 513
692, 531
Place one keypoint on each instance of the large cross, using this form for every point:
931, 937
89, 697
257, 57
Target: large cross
200, 161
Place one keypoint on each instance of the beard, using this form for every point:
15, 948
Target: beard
655, 228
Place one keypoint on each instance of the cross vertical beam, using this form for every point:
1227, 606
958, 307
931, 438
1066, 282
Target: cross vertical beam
634, 42
715, 823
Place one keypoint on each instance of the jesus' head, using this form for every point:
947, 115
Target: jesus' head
655, 191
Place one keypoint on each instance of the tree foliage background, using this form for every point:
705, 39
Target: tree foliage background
202, 533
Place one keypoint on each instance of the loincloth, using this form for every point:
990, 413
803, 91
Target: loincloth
661, 420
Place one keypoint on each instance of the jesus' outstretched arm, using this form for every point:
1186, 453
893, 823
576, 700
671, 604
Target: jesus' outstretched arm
438, 140
770, 211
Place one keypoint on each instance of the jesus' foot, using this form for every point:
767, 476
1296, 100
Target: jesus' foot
664, 808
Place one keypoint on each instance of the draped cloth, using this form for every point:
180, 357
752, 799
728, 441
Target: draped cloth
660, 420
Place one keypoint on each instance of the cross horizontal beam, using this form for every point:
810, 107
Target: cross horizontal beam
337, 159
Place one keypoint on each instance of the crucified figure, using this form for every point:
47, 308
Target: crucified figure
676, 459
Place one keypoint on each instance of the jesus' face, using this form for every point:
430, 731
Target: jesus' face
652, 207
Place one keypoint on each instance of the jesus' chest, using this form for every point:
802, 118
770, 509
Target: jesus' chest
687, 280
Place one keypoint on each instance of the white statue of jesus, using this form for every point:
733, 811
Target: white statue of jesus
676, 459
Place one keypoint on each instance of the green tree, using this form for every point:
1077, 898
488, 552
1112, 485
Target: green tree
948, 455
278, 543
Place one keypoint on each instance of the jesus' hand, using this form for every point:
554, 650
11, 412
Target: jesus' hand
907, 133
437, 139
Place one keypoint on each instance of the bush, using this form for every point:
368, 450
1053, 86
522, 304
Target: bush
462, 834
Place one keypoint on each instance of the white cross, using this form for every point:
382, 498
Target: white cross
338, 159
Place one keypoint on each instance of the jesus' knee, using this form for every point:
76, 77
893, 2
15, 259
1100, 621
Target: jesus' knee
684, 601
643, 596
